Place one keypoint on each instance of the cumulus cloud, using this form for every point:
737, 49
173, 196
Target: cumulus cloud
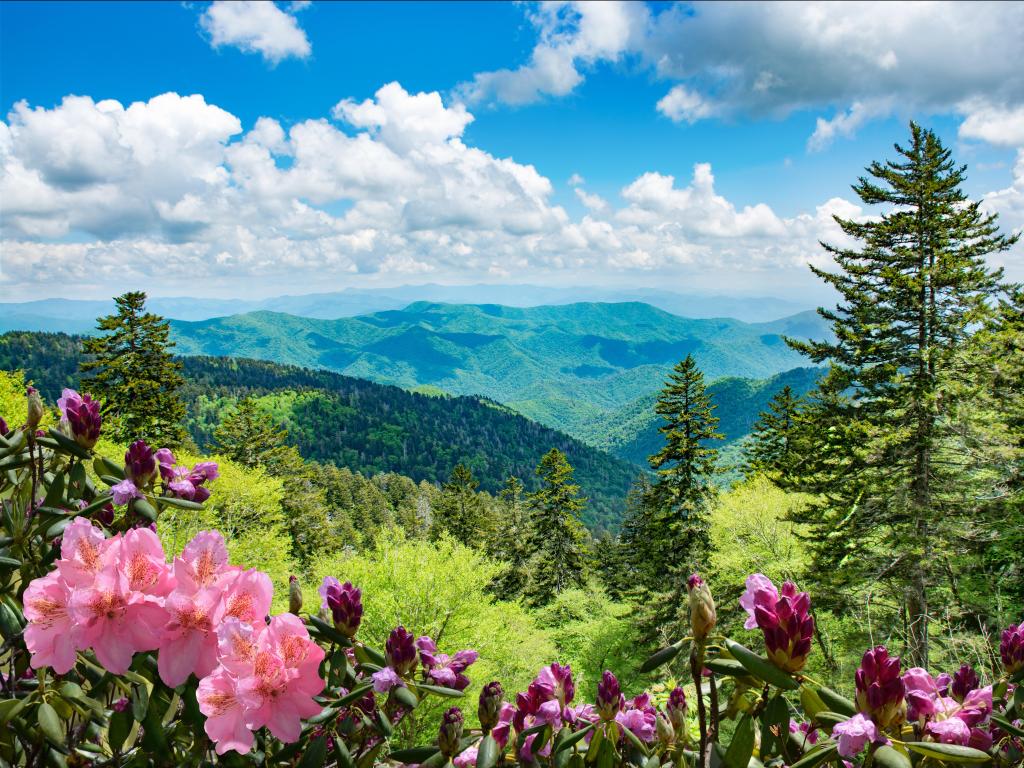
257, 26
172, 189
684, 105
571, 36
999, 125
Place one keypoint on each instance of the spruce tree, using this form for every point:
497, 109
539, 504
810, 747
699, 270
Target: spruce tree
129, 367
772, 449
509, 544
556, 536
910, 293
247, 435
459, 512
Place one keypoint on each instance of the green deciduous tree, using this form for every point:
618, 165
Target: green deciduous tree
556, 536
130, 368
910, 292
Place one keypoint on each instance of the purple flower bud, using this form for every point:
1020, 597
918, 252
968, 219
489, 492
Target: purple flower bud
294, 595
1011, 648
82, 415
121, 705
677, 709
609, 696
787, 626
3, 426
450, 734
344, 602
106, 514
34, 408
140, 464
400, 651
703, 616
491, 698
880, 688
965, 680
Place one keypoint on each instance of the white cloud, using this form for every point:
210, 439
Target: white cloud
576, 180
845, 123
257, 26
684, 105
999, 125
571, 35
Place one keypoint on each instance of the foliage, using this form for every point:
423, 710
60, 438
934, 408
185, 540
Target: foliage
772, 448
130, 369
460, 512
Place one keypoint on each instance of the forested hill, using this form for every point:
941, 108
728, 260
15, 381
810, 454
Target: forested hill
359, 424
565, 366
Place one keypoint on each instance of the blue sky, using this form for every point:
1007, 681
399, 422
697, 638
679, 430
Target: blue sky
461, 171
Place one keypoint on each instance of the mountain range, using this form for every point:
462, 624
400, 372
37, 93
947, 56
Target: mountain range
79, 316
575, 367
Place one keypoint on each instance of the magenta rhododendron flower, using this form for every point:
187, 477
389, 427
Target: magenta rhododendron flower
385, 679
400, 651
443, 669
640, 717
880, 688
81, 414
124, 492
964, 681
556, 680
1011, 648
784, 619
854, 734
609, 696
140, 464
345, 604
950, 731
760, 591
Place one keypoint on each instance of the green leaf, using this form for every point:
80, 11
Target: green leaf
830, 718
369, 655
140, 702
1007, 726
728, 667
57, 528
329, 632
49, 723
405, 697
104, 466
9, 708
574, 738
663, 656
948, 753
774, 726
68, 445
413, 754
174, 501
55, 493
834, 702
815, 757
355, 694
144, 509
887, 757
325, 714
97, 504
315, 755
343, 756
742, 745
760, 667
120, 726
487, 753
440, 690
811, 702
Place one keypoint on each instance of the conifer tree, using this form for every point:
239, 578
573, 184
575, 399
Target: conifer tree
556, 535
459, 512
772, 449
129, 367
509, 545
910, 293
247, 435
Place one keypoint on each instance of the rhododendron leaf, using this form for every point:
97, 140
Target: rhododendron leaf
329, 632
9, 708
487, 752
405, 697
383, 724
355, 694
774, 725
49, 723
315, 754
324, 716
595, 745
834, 702
68, 445
154, 739
174, 501
1007, 726
370, 758
9, 562
948, 753
144, 509
435, 761
120, 726
817, 755
140, 702
830, 718
55, 493
57, 528
343, 756
440, 690
728, 667
887, 757
811, 702
663, 656
9, 625
413, 754
104, 466
14, 462
74, 693
370, 656
99, 503
606, 754
742, 745
760, 667
574, 738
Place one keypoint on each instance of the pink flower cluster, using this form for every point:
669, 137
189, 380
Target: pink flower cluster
180, 481
962, 718
784, 619
438, 668
118, 596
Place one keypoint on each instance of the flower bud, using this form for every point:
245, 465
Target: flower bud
677, 709
1011, 648
702, 608
880, 688
294, 595
609, 696
450, 734
664, 730
400, 651
491, 699
964, 681
787, 625
344, 602
34, 406
140, 464
4, 429
81, 415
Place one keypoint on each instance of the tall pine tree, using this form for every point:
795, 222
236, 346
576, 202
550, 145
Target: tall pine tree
911, 291
772, 450
557, 538
129, 367
666, 535
459, 512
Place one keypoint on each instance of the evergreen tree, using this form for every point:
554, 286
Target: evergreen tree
129, 367
772, 448
556, 536
509, 545
910, 293
667, 532
247, 435
459, 512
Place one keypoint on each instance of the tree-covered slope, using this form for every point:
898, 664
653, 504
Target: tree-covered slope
568, 366
359, 424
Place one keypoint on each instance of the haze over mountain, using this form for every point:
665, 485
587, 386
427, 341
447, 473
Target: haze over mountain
568, 367
79, 316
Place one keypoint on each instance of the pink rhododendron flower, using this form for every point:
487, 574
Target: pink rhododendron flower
466, 758
760, 591
141, 558
189, 641
443, 669
84, 552
854, 734
950, 731
247, 596
236, 645
556, 680
49, 633
203, 562
225, 716
385, 680
500, 732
